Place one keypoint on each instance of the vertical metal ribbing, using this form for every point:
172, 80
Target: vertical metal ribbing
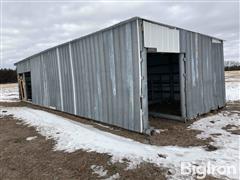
73, 79
60, 78
182, 85
140, 76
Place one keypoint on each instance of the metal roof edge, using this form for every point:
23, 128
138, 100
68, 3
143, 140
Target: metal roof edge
82, 37
175, 27
110, 27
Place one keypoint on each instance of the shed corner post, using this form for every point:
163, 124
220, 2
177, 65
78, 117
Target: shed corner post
182, 76
144, 90
143, 77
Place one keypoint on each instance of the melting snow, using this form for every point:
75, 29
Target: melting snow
232, 91
31, 138
99, 170
232, 82
9, 92
115, 176
71, 136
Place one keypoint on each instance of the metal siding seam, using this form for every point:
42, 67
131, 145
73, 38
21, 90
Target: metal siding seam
91, 77
144, 87
122, 83
94, 72
189, 75
222, 75
201, 71
73, 79
105, 72
121, 80
112, 75
99, 89
90, 81
124, 77
182, 85
77, 70
102, 77
140, 76
118, 75
59, 78
135, 62
41, 80
85, 83
76, 62
130, 75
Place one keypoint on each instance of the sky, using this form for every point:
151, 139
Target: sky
29, 27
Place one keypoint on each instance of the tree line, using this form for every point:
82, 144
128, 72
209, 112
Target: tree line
8, 76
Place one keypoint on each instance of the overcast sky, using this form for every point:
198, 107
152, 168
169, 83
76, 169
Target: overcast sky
31, 27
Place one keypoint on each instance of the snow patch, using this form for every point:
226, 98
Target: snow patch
232, 91
9, 93
115, 176
31, 138
99, 170
71, 136
158, 131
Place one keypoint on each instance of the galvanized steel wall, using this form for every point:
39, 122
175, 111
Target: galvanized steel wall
205, 86
23, 66
102, 76
163, 38
96, 77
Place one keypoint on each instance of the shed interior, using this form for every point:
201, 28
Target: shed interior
163, 83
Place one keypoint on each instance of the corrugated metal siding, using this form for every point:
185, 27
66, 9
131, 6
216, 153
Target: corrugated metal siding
45, 82
67, 84
204, 73
107, 76
102, 72
37, 80
23, 66
217, 54
106, 73
163, 38
50, 76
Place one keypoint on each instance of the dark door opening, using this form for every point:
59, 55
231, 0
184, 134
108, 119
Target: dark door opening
21, 86
28, 86
163, 84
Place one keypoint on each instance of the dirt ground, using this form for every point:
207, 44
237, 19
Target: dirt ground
174, 132
22, 159
35, 159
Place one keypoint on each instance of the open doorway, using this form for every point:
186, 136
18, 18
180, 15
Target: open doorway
163, 84
25, 86
28, 85
21, 85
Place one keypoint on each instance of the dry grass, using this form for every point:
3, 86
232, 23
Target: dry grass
9, 85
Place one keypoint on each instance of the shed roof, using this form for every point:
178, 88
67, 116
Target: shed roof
111, 27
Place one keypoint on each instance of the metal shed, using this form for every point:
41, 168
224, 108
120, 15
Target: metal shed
122, 74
